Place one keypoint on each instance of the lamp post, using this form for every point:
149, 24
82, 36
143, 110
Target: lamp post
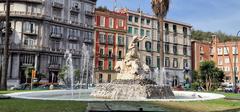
235, 64
3, 85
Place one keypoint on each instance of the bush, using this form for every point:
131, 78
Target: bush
195, 86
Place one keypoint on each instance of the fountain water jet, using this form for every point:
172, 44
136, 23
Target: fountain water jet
69, 77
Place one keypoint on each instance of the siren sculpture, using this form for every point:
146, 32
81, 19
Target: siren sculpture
132, 82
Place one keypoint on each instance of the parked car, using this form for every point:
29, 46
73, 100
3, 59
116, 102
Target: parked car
229, 88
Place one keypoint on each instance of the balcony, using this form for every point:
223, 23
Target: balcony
23, 14
30, 1
89, 13
72, 38
202, 52
87, 40
75, 9
175, 33
110, 42
74, 22
30, 33
57, 5
120, 43
56, 35
55, 18
102, 41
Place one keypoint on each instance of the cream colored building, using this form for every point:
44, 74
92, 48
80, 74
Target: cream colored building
177, 45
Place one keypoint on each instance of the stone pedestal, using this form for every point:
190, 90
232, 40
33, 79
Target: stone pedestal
133, 90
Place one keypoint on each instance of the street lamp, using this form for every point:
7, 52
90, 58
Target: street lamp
235, 71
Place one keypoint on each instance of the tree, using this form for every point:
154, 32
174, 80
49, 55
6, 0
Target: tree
211, 75
160, 8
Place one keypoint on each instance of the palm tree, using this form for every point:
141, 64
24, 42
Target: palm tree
160, 8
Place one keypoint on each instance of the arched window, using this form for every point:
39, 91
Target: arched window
148, 46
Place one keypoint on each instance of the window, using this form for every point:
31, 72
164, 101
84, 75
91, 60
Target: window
110, 38
175, 49
102, 37
109, 65
226, 69
130, 18
234, 60
234, 50
110, 52
226, 50
109, 78
148, 46
30, 27
56, 30
158, 47
130, 30
184, 50
142, 20
220, 61
101, 52
111, 22
120, 23
74, 17
166, 27
175, 62
185, 32
136, 20
102, 21
100, 78
167, 62
166, 48
148, 60
55, 44
30, 42
119, 54
142, 32
174, 29
148, 21
226, 60
72, 46
158, 62
219, 51
57, 13
120, 40
185, 63
135, 31
148, 33
54, 60
100, 65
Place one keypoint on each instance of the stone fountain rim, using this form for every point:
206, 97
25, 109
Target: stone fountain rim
213, 96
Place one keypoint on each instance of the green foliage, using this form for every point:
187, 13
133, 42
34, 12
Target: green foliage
211, 75
207, 36
102, 8
62, 73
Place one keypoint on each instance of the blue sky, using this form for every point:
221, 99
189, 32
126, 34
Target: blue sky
206, 15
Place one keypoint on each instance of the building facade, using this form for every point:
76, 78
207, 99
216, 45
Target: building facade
222, 53
109, 44
177, 45
42, 30
201, 51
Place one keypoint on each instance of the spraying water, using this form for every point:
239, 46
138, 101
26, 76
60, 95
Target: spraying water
69, 77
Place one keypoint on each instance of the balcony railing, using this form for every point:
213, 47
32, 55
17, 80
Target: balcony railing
32, 1
24, 14
72, 37
55, 18
30, 33
87, 40
57, 4
56, 35
89, 13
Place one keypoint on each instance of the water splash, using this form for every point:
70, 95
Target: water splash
69, 77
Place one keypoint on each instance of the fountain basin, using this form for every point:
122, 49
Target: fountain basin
84, 95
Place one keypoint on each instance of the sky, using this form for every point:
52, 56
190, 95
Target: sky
206, 15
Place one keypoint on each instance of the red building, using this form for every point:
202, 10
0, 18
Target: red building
109, 44
222, 53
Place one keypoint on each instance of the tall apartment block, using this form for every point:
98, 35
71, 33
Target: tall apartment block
42, 30
109, 44
177, 45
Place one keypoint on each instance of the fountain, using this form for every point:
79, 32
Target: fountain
69, 77
134, 83
134, 80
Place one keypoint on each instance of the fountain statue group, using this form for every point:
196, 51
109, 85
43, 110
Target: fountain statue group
132, 82
131, 67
